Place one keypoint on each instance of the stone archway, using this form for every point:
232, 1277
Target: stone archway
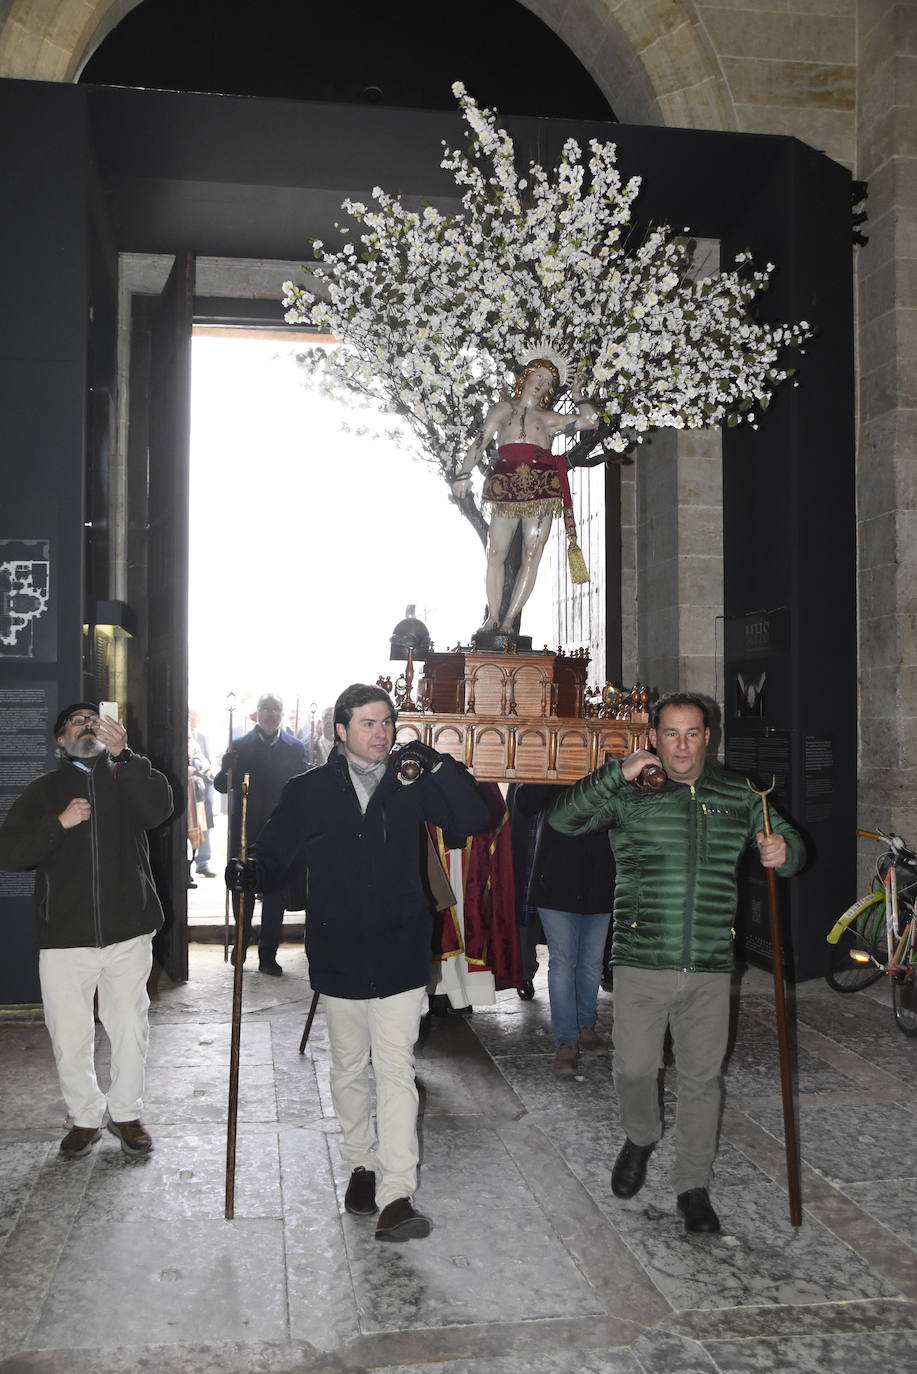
654, 67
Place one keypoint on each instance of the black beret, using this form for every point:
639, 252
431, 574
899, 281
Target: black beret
68, 711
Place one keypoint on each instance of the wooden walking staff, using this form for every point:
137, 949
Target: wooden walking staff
783, 1036
230, 706
236, 1019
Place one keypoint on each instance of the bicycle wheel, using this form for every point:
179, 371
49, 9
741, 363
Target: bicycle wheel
904, 1000
864, 933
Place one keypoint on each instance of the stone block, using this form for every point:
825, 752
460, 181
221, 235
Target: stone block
700, 530
878, 291
700, 580
872, 14
879, 641
700, 482
906, 631
879, 741
677, 61
877, 487
705, 105
894, 31
701, 673
878, 591
697, 633
879, 691
892, 133
832, 132
879, 338
878, 390
906, 526
646, 22
782, 36
878, 541
821, 85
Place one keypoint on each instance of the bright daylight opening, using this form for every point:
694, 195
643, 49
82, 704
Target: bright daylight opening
308, 541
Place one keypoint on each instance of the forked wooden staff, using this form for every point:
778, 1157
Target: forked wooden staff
783, 1036
236, 1037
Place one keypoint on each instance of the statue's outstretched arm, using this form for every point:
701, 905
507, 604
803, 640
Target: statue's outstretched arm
478, 447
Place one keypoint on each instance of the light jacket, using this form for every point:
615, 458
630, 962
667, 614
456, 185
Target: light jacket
93, 884
677, 853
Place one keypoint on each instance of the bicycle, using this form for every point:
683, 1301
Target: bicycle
878, 934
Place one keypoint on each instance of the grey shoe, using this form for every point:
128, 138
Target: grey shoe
589, 1039
566, 1060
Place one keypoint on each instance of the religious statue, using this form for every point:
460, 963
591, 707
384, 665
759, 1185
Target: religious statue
527, 482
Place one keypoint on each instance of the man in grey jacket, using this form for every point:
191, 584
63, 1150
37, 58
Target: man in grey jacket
82, 828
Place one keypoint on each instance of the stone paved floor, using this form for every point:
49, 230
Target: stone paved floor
119, 1265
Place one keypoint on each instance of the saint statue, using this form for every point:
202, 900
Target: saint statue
527, 482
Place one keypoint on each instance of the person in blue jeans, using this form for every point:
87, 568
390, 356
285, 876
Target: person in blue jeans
572, 884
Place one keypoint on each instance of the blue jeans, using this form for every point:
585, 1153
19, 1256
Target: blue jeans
576, 945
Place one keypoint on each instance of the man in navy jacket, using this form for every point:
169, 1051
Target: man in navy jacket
270, 756
357, 828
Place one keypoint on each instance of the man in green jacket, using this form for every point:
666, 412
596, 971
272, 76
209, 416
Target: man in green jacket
82, 828
677, 851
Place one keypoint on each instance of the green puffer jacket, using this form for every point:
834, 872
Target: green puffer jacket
677, 851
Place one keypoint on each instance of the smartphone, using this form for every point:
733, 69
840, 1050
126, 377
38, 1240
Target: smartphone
108, 710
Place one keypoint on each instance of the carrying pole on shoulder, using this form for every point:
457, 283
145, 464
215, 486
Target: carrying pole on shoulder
790, 1136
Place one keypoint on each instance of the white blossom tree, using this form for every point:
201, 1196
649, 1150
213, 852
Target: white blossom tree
436, 310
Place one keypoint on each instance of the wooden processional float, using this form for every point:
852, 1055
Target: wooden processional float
519, 716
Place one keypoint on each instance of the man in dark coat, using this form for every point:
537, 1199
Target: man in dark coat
357, 829
270, 756
83, 829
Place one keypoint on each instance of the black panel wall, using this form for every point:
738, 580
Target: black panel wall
252, 178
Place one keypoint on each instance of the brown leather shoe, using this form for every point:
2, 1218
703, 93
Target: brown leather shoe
399, 1221
135, 1139
79, 1140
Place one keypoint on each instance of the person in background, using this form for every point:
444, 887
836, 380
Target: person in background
270, 756
571, 883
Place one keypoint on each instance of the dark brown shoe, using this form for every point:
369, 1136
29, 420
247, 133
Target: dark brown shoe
697, 1210
360, 1198
399, 1221
79, 1140
135, 1139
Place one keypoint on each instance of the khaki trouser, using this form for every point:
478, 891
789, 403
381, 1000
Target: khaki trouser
696, 1008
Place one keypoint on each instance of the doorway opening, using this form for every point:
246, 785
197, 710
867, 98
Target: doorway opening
310, 533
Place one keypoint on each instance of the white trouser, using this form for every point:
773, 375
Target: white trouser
69, 980
383, 1030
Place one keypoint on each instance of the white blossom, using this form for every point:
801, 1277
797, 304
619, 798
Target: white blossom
435, 311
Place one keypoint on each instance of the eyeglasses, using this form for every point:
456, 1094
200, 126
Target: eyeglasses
81, 719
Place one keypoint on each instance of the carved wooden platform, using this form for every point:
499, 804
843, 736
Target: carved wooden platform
517, 717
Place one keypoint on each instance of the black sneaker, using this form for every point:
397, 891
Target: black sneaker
271, 967
360, 1198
